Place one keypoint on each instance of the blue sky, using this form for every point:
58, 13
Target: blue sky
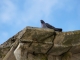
17, 14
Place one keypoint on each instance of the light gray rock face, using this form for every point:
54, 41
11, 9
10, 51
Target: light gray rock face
42, 44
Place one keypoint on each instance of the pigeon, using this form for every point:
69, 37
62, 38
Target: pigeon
47, 25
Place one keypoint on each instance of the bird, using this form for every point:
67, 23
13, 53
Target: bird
47, 25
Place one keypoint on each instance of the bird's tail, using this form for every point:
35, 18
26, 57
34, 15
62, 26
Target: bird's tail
58, 29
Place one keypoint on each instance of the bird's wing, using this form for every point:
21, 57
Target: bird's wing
50, 26
44, 25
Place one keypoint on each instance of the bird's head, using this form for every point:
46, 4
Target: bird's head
42, 21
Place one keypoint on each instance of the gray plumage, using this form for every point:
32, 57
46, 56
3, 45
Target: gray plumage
47, 25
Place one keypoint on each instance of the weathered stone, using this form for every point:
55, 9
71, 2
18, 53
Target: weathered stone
41, 44
18, 51
4, 51
58, 50
40, 47
75, 49
58, 57
37, 35
67, 39
66, 56
9, 55
51, 57
75, 56
30, 57
37, 57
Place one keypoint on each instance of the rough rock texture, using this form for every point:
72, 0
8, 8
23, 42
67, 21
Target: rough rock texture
41, 44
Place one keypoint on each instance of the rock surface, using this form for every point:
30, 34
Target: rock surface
41, 44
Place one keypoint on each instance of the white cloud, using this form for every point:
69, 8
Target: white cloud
18, 15
34, 11
31, 13
8, 10
39, 8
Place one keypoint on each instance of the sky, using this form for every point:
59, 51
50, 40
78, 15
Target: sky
17, 14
